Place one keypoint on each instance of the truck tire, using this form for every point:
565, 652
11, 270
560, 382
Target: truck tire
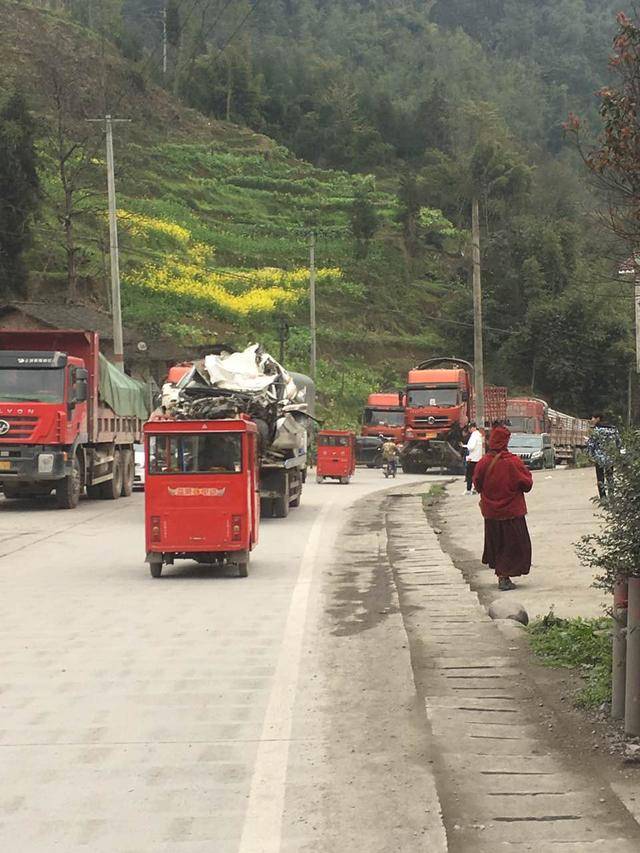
281, 506
295, 503
127, 473
68, 490
112, 489
12, 492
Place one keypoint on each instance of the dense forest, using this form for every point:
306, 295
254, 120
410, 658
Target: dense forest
405, 110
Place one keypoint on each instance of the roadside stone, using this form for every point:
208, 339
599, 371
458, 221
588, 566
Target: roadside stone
508, 609
632, 753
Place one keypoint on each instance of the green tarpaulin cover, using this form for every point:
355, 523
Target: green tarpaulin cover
126, 396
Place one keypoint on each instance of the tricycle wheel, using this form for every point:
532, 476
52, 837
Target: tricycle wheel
319, 479
345, 480
155, 568
243, 566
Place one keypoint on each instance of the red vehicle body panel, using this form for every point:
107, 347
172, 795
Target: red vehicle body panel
374, 422
196, 512
338, 458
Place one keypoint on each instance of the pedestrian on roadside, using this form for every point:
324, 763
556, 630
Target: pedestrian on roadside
474, 448
604, 437
502, 479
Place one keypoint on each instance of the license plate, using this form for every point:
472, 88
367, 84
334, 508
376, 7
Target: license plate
5, 465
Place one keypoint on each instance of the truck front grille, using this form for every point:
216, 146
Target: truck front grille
430, 423
20, 426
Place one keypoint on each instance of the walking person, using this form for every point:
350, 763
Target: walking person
604, 437
474, 448
502, 479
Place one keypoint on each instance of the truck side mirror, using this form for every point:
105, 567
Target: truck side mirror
465, 396
81, 385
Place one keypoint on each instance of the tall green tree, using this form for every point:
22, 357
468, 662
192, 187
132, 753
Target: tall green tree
19, 190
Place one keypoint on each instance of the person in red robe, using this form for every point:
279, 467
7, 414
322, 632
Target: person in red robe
502, 480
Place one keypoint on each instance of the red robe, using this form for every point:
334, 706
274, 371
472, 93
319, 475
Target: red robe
502, 488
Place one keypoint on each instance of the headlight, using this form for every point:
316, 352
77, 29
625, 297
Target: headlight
45, 463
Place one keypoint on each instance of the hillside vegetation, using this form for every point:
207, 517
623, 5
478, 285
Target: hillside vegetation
401, 112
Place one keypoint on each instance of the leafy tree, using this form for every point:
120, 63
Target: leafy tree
19, 190
364, 221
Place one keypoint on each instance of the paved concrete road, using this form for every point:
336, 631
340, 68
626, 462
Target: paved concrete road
188, 713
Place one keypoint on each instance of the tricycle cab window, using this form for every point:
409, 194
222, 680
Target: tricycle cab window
333, 440
219, 453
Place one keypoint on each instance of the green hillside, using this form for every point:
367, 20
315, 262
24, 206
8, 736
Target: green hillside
413, 114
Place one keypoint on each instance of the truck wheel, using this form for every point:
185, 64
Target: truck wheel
112, 489
11, 493
296, 501
281, 506
155, 568
127, 473
68, 490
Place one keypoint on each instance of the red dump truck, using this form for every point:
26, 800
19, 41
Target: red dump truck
532, 415
440, 403
68, 418
384, 415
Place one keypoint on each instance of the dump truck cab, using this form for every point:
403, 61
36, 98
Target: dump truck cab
384, 415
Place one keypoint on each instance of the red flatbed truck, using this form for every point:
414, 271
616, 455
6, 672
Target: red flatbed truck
68, 418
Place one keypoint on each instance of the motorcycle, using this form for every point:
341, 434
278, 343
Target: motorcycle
390, 468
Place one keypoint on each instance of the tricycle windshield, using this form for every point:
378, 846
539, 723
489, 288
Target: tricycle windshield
214, 453
333, 440
25, 385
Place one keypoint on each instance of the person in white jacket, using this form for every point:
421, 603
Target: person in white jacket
475, 451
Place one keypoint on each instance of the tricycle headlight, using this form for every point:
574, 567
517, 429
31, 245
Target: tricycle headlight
45, 463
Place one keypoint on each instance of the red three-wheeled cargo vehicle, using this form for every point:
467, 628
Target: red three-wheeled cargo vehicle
336, 455
202, 494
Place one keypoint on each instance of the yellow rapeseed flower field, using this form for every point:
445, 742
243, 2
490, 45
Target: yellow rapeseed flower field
187, 276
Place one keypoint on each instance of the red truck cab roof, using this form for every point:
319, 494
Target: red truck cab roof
385, 401
438, 377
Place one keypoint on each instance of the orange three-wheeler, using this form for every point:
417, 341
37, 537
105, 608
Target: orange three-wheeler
336, 455
202, 499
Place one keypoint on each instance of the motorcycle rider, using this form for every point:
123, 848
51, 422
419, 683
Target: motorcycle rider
390, 454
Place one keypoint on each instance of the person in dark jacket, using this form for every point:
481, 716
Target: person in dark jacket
502, 479
604, 437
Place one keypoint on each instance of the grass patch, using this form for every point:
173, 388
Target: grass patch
583, 645
435, 494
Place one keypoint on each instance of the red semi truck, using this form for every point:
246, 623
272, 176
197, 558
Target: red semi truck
68, 418
439, 404
528, 415
384, 415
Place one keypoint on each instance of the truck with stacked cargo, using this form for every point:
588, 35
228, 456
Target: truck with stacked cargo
251, 383
533, 416
69, 418
440, 403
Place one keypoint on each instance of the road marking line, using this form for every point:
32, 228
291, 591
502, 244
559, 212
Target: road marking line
262, 831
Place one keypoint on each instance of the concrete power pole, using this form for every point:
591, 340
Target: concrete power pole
164, 42
312, 301
116, 306
477, 315
637, 301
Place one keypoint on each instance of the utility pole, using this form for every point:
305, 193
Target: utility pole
312, 301
283, 335
164, 42
116, 304
637, 301
478, 355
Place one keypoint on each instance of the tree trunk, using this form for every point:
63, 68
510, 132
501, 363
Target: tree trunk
70, 247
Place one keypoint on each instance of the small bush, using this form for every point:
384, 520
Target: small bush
580, 644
